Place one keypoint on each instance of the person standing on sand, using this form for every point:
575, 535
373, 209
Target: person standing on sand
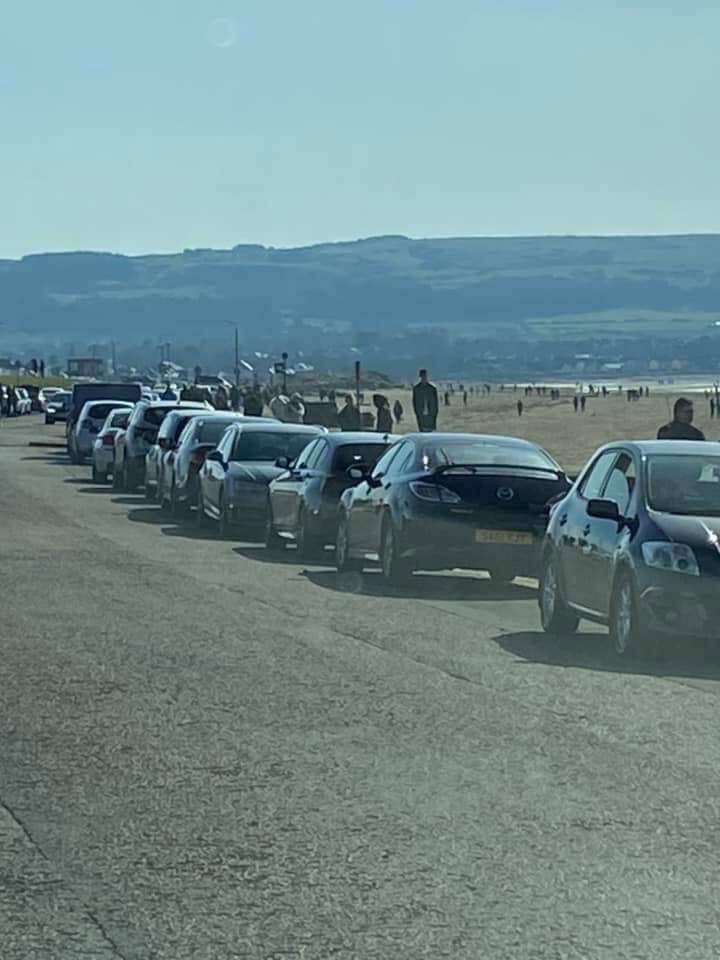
680, 427
398, 411
520, 408
425, 403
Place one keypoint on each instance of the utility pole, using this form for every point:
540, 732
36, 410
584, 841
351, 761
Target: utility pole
357, 385
114, 358
284, 373
237, 357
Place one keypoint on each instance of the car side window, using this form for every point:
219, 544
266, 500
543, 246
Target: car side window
621, 482
384, 463
405, 456
323, 458
308, 456
226, 443
594, 479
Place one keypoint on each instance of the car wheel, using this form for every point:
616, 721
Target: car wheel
395, 569
177, 507
555, 615
626, 632
98, 477
344, 562
129, 481
272, 540
117, 479
149, 492
309, 547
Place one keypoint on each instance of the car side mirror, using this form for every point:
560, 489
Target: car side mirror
283, 462
215, 457
604, 510
374, 480
356, 473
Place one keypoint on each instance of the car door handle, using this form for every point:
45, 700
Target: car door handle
586, 530
563, 520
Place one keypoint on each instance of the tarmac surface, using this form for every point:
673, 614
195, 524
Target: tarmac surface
205, 755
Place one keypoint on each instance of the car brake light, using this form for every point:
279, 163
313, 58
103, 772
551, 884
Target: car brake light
108, 440
434, 492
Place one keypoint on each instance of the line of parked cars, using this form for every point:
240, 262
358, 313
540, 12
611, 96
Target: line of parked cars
633, 542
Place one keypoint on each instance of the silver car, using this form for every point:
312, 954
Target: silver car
103, 455
89, 424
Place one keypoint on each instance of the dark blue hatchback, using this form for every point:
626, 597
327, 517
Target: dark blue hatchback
636, 545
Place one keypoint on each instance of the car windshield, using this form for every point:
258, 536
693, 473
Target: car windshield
119, 420
100, 411
257, 445
685, 485
351, 454
484, 453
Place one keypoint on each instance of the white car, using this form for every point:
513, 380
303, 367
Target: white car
23, 401
89, 424
103, 455
45, 395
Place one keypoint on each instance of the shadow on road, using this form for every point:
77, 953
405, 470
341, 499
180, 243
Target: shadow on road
261, 554
189, 530
421, 586
129, 501
76, 480
149, 515
593, 651
106, 490
57, 458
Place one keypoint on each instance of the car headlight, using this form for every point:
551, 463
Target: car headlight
433, 492
677, 557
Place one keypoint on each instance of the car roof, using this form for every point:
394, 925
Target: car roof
276, 426
119, 404
677, 447
342, 438
173, 404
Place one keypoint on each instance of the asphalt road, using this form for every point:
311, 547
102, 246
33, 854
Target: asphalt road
206, 755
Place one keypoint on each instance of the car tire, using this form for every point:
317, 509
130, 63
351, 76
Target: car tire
98, 477
395, 569
556, 616
117, 479
309, 547
130, 484
628, 636
273, 541
344, 562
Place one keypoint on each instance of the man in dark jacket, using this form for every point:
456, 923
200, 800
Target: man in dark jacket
425, 403
384, 422
349, 416
680, 427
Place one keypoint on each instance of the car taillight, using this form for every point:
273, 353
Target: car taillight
108, 440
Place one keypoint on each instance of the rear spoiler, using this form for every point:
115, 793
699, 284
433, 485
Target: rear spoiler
444, 467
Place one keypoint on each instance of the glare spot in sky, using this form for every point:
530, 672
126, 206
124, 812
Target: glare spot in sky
222, 32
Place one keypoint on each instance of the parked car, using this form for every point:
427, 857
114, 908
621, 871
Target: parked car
304, 500
165, 444
132, 447
437, 501
89, 424
33, 392
233, 481
636, 546
44, 395
178, 481
4, 403
58, 406
84, 392
23, 402
103, 453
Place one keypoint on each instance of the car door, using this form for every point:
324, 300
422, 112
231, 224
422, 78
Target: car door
311, 481
381, 495
214, 471
574, 528
286, 487
597, 562
361, 523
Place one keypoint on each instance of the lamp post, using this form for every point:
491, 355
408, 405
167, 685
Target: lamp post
284, 373
232, 323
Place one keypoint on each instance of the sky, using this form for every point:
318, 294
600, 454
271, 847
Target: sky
159, 125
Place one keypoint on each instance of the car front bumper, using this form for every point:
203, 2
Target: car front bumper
685, 610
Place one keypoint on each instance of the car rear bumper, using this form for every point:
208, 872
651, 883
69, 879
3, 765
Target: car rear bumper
103, 460
439, 545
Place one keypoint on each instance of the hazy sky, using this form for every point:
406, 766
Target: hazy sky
153, 125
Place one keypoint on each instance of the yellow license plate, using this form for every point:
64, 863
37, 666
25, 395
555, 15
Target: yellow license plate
502, 536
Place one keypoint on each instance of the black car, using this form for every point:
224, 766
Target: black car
58, 407
163, 450
437, 501
304, 500
233, 481
636, 545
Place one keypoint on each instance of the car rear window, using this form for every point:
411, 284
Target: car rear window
484, 453
352, 454
120, 420
257, 445
154, 416
100, 411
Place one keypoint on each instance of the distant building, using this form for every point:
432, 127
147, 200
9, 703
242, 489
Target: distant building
86, 367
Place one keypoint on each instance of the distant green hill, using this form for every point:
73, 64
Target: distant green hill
529, 287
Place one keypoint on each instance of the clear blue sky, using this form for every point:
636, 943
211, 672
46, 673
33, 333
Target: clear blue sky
154, 125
